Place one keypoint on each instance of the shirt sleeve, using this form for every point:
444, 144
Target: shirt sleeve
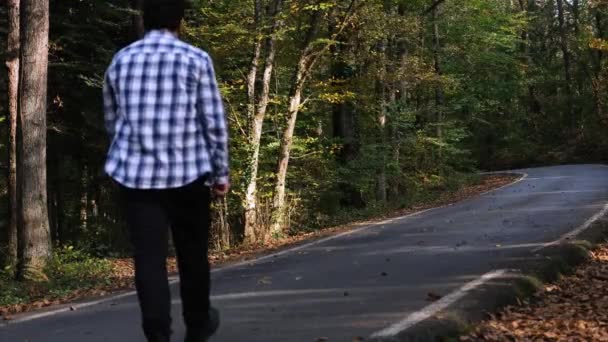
109, 104
211, 112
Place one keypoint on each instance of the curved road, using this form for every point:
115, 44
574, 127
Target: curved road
359, 283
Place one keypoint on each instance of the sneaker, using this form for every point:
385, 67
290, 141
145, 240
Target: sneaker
202, 335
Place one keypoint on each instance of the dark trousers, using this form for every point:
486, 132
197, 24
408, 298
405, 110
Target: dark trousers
149, 215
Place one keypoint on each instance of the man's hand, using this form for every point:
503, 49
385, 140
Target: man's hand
221, 190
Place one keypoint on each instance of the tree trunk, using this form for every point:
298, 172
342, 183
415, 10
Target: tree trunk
279, 210
308, 59
567, 61
439, 96
381, 193
295, 101
596, 81
395, 146
84, 197
600, 35
221, 224
343, 113
35, 245
257, 115
137, 20
12, 63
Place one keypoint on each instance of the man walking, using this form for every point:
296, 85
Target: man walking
169, 155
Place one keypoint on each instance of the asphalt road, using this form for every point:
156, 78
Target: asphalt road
360, 283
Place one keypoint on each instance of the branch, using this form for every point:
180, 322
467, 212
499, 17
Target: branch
333, 38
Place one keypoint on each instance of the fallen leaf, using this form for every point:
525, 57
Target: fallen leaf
265, 281
433, 297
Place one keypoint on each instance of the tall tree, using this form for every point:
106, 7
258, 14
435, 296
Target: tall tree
439, 95
34, 237
302, 71
563, 36
12, 63
381, 87
257, 108
310, 54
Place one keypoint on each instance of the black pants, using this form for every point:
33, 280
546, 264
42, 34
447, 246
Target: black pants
149, 214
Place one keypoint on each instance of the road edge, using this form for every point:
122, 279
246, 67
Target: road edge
515, 285
355, 228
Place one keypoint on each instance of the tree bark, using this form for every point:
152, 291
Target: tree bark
596, 82
381, 189
279, 214
84, 197
307, 60
600, 34
567, 61
34, 246
257, 114
305, 63
12, 64
343, 113
439, 96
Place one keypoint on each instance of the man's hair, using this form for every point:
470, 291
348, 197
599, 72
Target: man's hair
163, 14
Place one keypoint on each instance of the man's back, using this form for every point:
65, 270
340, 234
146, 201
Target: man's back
165, 115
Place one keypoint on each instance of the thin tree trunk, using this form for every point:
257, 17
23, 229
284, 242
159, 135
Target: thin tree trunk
221, 224
250, 204
439, 96
57, 199
35, 245
567, 61
600, 35
84, 198
257, 116
399, 96
596, 82
278, 221
381, 193
137, 19
12, 63
395, 145
343, 113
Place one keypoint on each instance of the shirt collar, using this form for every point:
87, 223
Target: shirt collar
160, 34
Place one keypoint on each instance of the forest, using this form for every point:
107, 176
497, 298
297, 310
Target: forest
338, 110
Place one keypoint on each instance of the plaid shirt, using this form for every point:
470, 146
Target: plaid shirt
164, 115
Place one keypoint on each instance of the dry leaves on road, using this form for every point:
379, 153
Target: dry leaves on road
573, 309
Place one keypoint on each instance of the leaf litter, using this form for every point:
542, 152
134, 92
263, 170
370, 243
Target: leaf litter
572, 309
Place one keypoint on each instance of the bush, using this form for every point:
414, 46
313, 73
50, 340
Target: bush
68, 270
74, 269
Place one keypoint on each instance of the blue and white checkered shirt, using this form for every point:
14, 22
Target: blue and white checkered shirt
164, 115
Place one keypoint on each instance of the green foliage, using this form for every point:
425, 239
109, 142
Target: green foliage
68, 270
370, 105
72, 268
